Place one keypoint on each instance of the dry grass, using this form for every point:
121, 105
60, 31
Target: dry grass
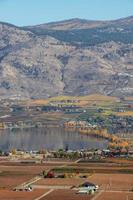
98, 97
119, 161
129, 98
83, 100
93, 97
38, 102
51, 116
126, 113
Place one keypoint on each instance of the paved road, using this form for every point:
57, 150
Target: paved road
30, 182
45, 194
55, 187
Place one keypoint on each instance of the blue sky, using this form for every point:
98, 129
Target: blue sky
30, 12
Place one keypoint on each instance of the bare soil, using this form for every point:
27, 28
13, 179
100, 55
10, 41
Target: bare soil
115, 196
113, 181
11, 195
9, 182
60, 181
66, 195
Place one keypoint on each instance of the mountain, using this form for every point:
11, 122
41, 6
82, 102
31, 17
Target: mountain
72, 57
85, 32
70, 24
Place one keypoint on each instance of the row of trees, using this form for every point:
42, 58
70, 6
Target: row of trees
114, 141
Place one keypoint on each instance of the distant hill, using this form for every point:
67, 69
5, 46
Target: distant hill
85, 32
72, 57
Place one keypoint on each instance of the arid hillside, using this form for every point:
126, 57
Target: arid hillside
72, 57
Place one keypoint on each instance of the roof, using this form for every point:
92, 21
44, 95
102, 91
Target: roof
86, 184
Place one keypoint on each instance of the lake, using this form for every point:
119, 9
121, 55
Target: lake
47, 138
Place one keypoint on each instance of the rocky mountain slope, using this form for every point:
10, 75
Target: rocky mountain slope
72, 57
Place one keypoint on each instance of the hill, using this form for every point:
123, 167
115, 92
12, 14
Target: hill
73, 57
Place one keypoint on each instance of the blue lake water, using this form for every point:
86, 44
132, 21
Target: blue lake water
47, 138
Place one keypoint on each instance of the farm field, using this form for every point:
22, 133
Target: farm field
12, 176
10, 181
66, 194
111, 184
61, 182
96, 169
122, 182
28, 168
105, 181
115, 195
11, 195
82, 100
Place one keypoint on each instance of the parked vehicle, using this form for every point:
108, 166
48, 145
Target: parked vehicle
27, 189
83, 191
89, 186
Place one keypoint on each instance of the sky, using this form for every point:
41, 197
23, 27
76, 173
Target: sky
32, 12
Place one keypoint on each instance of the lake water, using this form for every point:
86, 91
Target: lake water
47, 138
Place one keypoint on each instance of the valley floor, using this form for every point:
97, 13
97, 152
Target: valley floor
113, 184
